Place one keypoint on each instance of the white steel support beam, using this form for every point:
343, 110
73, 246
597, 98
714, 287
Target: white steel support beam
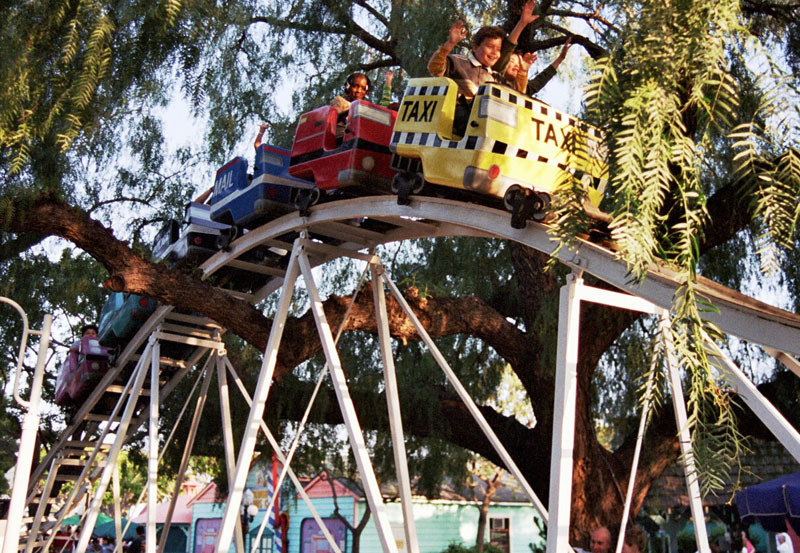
761, 406
685, 440
356, 436
286, 462
286, 469
82, 484
203, 371
791, 363
393, 405
617, 299
152, 457
30, 429
564, 416
227, 439
473, 409
138, 377
39, 516
187, 451
117, 511
248, 444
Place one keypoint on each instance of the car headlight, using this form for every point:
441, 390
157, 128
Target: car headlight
373, 114
497, 110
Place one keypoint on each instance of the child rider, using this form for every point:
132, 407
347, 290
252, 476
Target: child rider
489, 46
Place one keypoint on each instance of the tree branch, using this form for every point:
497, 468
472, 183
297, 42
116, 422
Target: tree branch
595, 16
375, 13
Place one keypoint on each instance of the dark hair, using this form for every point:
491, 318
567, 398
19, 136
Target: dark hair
351, 79
84, 328
139, 530
484, 33
636, 536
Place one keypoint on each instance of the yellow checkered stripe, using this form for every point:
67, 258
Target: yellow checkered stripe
536, 108
439, 90
487, 145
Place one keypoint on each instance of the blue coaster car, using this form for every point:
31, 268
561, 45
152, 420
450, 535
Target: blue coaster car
248, 202
193, 241
122, 315
198, 238
82, 370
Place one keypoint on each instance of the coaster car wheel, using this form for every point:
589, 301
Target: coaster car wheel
405, 184
307, 198
512, 197
540, 213
226, 237
517, 200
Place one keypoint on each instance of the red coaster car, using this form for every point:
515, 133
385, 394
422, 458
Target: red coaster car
359, 157
82, 370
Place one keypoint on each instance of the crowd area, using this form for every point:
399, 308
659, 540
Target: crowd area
107, 544
734, 541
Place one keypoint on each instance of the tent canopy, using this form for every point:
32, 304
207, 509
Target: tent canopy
102, 518
109, 529
772, 503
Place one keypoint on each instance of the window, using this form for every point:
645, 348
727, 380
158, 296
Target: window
500, 533
265, 546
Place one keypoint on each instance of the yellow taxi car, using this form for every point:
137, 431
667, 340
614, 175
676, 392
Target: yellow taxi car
515, 148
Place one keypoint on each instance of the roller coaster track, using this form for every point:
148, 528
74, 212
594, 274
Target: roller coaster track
353, 228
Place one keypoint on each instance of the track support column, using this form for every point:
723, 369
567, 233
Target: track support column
152, 457
227, 438
30, 429
685, 440
564, 416
187, 451
260, 395
470, 404
357, 443
393, 404
138, 377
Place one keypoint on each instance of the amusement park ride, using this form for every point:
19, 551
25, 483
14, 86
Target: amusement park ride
332, 196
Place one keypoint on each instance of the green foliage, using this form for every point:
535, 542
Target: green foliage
673, 60
456, 547
541, 546
666, 94
619, 386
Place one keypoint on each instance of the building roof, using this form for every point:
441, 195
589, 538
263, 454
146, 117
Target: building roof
320, 486
206, 495
765, 461
183, 510
181, 515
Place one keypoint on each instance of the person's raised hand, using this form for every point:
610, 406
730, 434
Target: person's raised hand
563, 53
526, 60
457, 33
527, 15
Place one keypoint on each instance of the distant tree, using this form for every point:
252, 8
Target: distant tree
490, 477
355, 528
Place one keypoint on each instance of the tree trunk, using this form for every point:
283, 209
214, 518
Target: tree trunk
492, 485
